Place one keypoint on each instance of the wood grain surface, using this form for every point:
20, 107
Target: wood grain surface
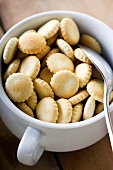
96, 157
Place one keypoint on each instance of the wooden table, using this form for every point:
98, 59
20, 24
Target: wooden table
96, 157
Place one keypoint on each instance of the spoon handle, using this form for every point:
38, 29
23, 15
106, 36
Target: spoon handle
107, 91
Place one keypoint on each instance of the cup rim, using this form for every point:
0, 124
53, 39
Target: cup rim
28, 19
22, 115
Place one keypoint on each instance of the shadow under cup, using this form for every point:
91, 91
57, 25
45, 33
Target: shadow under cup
57, 137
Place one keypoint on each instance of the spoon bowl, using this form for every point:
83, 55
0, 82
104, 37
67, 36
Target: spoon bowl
100, 63
107, 73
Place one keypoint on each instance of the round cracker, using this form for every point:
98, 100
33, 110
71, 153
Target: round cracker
19, 87
42, 88
30, 66
65, 111
69, 31
90, 42
95, 88
89, 108
47, 110
29, 31
26, 109
100, 106
54, 50
46, 75
78, 97
77, 113
59, 61
44, 52
12, 68
65, 48
49, 29
64, 83
51, 40
31, 43
80, 55
83, 71
10, 50
32, 101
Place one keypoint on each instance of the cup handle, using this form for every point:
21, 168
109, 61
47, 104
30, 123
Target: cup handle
29, 150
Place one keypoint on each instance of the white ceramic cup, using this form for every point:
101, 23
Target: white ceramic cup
37, 136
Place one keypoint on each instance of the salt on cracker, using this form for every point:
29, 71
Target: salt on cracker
42, 88
83, 71
69, 31
59, 61
77, 112
30, 66
47, 110
19, 87
89, 108
65, 111
63, 88
49, 29
31, 43
10, 50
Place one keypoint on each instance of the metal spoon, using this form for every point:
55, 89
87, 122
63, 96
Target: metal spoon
107, 74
